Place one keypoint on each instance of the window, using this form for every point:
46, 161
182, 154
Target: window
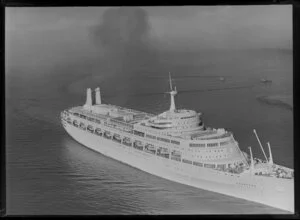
175, 158
90, 119
209, 165
142, 134
176, 153
163, 139
162, 152
221, 166
223, 143
186, 161
196, 145
212, 144
175, 142
197, 164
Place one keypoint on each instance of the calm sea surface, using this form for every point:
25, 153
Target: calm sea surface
50, 173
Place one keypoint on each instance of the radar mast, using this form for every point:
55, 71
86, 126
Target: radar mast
172, 94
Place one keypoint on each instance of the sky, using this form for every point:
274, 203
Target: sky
34, 34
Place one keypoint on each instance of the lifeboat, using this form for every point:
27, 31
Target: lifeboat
127, 141
163, 152
117, 138
75, 123
176, 154
150, 148
82, 126
160, 124
69, 120
107, 135
98, 131
90, 128
138, 145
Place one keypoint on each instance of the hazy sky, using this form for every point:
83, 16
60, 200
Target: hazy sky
64, 31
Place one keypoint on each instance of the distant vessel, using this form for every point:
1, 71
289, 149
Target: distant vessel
265, 80
176, 145
222, 79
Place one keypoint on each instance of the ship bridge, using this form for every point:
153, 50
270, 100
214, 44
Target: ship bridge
175, 121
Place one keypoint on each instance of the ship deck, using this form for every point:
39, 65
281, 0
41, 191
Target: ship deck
117, 113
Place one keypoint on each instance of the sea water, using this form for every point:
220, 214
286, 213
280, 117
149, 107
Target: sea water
49, 173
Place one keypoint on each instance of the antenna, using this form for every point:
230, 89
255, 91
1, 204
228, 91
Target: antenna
171, 88
260, 144
172, 94
270, 153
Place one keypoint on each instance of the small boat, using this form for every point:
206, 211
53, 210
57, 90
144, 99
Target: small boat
138, 145
150, 148
265, 80
98, 131
107, 135
69, 120
75, 123
117, 138
176, 154
90, 129
222, 79
127, 141
82, 126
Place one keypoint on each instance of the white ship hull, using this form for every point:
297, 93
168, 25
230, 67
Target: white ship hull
278, 193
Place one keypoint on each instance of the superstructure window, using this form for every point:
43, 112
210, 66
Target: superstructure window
212, 144
176, 153
187, 161
221, 166
197, 164
82, 116
206, 165
150, 136
196, 145
90, 119
139, 133
163, 139
175, 142
188, 117
175, 158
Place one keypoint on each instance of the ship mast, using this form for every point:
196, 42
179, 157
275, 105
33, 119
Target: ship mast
270, 153
260, 144
172, 94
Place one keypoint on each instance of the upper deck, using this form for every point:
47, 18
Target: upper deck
117, 113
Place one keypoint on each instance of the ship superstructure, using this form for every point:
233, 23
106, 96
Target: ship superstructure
176, 145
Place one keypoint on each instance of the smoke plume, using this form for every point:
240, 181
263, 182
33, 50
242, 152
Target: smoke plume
124, 38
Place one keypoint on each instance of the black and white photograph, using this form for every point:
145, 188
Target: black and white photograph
149, 110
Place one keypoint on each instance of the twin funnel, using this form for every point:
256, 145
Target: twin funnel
89, 100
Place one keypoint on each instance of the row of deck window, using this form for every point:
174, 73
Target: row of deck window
156, 138
149, 148
209, 144
99, 121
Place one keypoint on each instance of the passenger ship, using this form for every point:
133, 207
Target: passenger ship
177, 146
